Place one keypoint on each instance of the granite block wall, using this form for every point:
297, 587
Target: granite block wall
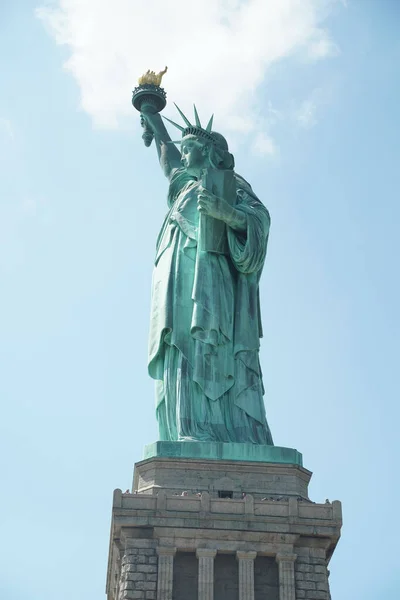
138, 579
311, 574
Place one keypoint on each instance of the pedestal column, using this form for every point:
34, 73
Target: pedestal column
165, 573
246, 574
287, 588
206, 573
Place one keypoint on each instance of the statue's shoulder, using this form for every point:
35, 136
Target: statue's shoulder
249, 200
179, 176
243, 186
177, 181
245, 191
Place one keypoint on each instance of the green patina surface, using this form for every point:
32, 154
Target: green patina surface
224, 451
205, 324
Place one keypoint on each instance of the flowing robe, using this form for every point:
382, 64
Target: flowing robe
205, 323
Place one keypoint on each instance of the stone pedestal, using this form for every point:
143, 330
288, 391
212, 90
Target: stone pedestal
176, 474
201, 528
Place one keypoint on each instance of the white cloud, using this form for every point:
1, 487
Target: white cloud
218, 52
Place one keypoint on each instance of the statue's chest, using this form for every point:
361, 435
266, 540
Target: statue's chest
186, 203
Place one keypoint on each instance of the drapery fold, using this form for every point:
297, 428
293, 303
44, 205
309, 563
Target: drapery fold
206, 324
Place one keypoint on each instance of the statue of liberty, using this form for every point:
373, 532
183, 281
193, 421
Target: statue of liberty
205, 325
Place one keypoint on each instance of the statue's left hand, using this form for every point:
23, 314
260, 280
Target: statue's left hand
213, 206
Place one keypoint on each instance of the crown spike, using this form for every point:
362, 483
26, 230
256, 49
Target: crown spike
196, 116
174, 124
208, 128
188, 123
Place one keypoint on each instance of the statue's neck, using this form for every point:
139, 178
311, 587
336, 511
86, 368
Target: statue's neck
197, 173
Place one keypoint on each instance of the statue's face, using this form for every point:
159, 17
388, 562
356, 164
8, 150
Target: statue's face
194, 156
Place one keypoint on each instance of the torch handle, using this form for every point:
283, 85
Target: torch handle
147, 136
148, 133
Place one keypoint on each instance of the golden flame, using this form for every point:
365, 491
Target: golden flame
150, 77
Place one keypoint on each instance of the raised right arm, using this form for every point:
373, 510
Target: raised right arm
168, 154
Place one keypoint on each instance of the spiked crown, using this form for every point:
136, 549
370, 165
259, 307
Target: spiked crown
194, 129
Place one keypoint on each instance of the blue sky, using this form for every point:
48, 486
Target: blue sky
315, 130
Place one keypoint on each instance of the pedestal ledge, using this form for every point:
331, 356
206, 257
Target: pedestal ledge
224, 478
224, 451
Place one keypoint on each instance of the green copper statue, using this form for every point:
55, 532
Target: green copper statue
205, 323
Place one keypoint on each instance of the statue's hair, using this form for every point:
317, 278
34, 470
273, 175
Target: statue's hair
220, 157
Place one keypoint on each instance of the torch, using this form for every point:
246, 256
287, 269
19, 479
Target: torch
149, 97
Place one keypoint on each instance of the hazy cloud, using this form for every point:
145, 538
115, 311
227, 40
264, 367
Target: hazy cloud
218, 52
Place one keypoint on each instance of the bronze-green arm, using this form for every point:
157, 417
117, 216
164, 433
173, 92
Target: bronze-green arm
168, 153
